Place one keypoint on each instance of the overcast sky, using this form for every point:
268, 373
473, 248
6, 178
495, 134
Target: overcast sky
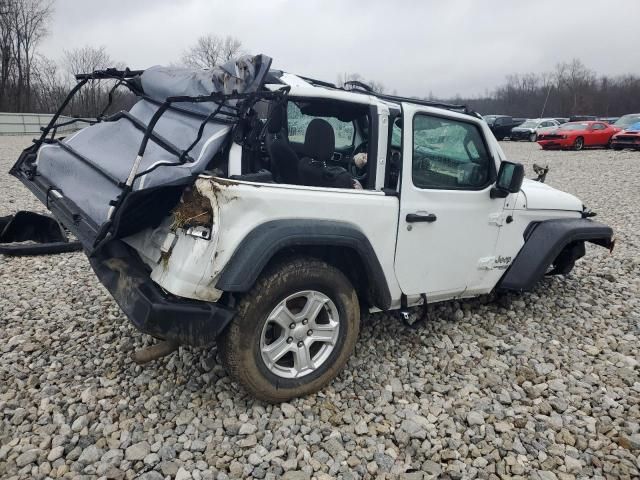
415, 47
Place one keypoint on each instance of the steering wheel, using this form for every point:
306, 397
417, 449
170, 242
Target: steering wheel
357, 173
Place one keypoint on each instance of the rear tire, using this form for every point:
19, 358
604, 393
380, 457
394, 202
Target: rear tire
533, 137
276, 316
578, 144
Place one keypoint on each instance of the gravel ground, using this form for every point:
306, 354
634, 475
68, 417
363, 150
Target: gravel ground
544, 385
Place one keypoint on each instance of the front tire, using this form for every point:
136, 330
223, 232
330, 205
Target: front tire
533, 137
293, 331
578, 144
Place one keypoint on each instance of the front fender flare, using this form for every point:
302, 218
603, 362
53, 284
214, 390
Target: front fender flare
267, 239
543, 243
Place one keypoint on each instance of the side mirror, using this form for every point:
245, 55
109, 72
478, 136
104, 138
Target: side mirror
510, 177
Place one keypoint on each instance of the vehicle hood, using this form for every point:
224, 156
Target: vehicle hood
540, 196
626, 133
523, 129
635, 128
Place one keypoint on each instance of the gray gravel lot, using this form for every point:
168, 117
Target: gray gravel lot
543, 385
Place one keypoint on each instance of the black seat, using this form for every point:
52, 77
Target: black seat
284, 161
319, 145
319, 140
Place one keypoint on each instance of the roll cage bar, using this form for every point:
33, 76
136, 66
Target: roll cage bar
361, 87
224, 112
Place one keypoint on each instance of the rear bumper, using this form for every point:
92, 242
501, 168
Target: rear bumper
149, 308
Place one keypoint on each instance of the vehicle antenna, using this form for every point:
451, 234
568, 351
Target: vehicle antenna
544, 107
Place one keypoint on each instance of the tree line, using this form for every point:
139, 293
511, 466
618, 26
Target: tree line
571, 89
30, 82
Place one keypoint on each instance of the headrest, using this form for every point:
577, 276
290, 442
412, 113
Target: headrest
319, 140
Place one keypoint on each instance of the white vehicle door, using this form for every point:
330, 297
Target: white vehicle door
449, 224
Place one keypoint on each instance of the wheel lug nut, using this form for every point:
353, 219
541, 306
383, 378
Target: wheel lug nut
289, 340
300, 344
310, 332
305, 321
292, 326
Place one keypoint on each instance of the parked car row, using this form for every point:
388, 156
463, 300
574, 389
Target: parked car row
624, 133
576, 132
577, 135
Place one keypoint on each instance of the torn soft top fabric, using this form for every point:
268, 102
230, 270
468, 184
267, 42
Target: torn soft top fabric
90, 167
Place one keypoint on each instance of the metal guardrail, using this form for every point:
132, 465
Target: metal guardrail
30, 123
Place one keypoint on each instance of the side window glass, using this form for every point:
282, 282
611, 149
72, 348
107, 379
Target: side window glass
396, 134
298, 122
448, 154
598, 126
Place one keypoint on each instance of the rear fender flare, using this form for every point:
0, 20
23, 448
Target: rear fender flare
268, 239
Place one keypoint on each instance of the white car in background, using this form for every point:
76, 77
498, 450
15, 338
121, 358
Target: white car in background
533, 127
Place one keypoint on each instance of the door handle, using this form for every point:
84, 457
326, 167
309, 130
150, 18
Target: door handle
416, 217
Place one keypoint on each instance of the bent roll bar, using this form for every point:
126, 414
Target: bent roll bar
224, 112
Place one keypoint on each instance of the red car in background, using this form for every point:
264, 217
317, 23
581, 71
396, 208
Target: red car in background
628, 138
578, 135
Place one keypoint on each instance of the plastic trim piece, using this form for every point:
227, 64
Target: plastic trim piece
266, 240
543, 243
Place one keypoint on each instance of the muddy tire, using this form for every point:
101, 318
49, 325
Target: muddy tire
293, 331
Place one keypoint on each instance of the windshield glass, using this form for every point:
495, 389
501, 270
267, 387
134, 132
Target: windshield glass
490, 119
574, 126
530, 124
627, 120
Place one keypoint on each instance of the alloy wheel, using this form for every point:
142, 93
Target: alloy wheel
299, 334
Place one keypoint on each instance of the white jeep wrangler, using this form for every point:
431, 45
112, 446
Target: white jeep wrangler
255, 233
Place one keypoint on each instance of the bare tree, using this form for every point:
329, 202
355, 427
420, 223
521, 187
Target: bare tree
6, 43
571, 89
49, 88
211, 50
23, 24
91, 99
